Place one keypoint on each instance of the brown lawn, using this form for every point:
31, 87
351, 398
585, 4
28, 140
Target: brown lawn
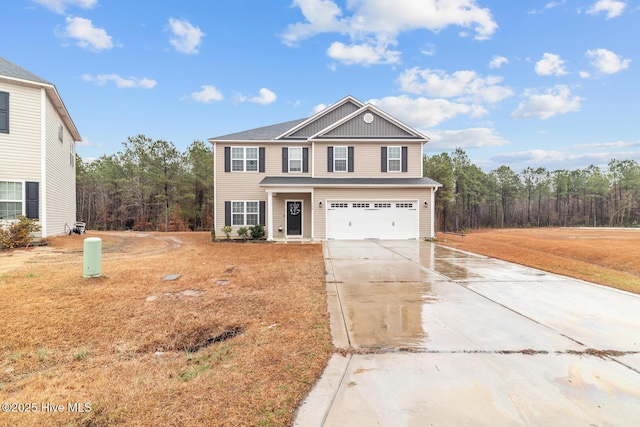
144, 351
610, 257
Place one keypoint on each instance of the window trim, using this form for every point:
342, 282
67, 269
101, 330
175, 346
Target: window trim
346, 158
21, 201
244, 213
290, 158
244, 159
60, 133
399, 159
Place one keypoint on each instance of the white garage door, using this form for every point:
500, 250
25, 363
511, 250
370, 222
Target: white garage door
372, 220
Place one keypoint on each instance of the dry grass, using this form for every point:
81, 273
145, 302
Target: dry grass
120, 342
605, 256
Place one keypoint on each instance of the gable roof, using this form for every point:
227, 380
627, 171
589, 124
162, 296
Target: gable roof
14, 73
326, 124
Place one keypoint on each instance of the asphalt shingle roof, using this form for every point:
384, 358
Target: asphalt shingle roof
9, 69
309, 181
264, 133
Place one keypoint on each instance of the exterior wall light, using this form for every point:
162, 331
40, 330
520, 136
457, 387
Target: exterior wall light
320, 203
426, 204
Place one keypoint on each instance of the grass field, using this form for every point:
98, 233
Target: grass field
610, 257
238, 339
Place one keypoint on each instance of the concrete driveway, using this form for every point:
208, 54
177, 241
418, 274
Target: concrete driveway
447, 338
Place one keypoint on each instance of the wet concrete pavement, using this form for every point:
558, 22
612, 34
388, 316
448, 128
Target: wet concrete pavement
444, 337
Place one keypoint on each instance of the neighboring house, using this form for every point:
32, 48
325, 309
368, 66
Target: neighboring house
37, 151
349, 172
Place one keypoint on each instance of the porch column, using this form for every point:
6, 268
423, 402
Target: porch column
269, 215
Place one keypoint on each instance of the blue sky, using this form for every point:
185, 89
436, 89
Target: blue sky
521, 83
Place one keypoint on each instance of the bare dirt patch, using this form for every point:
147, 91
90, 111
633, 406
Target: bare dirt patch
200, 353
605, 256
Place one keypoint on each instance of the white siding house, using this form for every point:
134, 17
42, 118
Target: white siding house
37, 151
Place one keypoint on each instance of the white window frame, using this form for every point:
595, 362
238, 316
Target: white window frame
345, 158
21, 201
398, 159
244, 159
240, 215
292, 159
60, 133
72, 157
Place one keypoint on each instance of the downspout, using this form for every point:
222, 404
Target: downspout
43, 162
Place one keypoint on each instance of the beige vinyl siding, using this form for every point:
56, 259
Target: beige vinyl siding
279, 213
372, 194
366, 160
20, 148
60, 175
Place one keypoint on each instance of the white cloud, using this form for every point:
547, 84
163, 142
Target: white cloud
612, 8
266, 97
428, 50
463, 85
553, 101
606, 61
584, 74
383, 20
318, 108
557, 159
363, 54
186, 38
550, 64
498, 61
120, 82
423, 112
207, 94
617, 144
86, 142
87, 36
59, 6
448, 140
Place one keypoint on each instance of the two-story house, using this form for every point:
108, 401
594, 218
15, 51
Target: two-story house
351, 171
37, 151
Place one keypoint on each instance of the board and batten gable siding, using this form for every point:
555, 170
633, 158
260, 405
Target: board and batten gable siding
60, 175
20, 148
325, 121
372, 194
366, 160
357, 127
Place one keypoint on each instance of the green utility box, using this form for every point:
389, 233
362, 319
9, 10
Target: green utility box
92, 257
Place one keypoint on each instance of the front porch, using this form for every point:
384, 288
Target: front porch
290, 214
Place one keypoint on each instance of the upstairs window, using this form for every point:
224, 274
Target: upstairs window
339, 159
295, 159
244, 159
4, 112
10, 199
394, 159
60, 132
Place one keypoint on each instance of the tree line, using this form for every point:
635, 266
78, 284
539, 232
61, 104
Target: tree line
149, 185
470, 198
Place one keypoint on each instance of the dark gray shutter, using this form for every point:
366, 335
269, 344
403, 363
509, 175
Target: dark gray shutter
305, 160
227, 213
285, 159
329, 159
383, 157
405, 156
4, 112
261, 159
32, 200
227, 159
350, 159
261, 212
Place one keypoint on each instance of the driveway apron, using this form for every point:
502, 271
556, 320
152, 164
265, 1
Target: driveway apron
437, 336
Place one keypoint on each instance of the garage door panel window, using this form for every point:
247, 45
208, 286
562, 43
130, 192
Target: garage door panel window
10, 199
244, 213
